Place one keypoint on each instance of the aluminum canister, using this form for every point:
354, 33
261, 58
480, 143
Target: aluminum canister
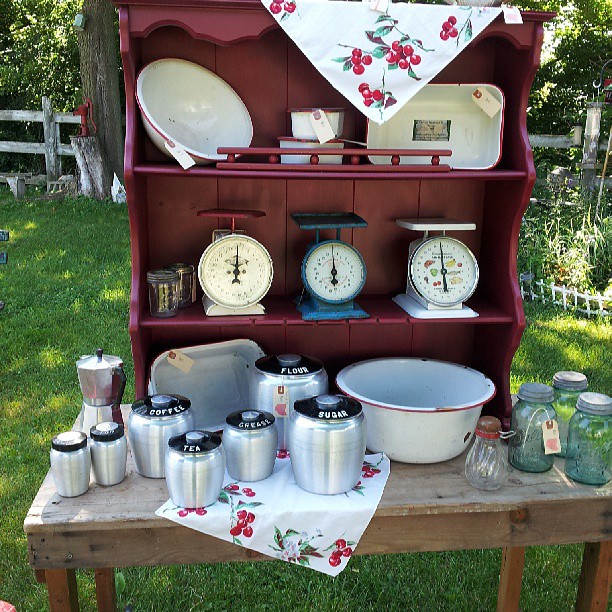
195, 468
70, 463
108, 448
187, 284
327, 442
152, 422
278, 381
250, 440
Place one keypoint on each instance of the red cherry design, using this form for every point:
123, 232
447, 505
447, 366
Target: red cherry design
183, 513
358, 483
275, 9
241, 524
395, 45
368, 475
377, 94
368, 102
367, 59
201, 511
452, 20
403, 64
289, 7
391, 57
282, 454
235, 531
357, 52
444, 35
359, 69
250, 493
366, 93
340, 543
246, 489
446, 26
232, 487
347, 552
375, 470
361, 89
250, 517
334, 561
337, 553
408, 50
248, 532
453, 33
241, 514
356, 60
415, 60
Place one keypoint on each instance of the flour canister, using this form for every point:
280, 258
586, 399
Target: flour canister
70, 463
278, 381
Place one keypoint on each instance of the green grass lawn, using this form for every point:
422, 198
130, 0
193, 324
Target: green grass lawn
66, 289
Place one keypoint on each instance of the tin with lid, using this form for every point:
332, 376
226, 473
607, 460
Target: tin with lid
187, 284
70, 463
327, 441
567, 387
164, 292
195, 468
108, 449
250, 439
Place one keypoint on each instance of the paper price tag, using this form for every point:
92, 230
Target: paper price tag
482, 98
181, 156
321, 126
550, 431
511, 14
180, 360
280, 401
380, 6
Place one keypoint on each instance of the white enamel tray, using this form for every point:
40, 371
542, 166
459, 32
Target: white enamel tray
218, 382
192, 107
444, 117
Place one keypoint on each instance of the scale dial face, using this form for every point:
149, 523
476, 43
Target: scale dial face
443, 271
235, 271
333, 271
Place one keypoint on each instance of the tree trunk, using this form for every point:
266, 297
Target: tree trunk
100, 79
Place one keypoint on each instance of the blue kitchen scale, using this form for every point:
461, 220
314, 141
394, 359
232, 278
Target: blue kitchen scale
333, 271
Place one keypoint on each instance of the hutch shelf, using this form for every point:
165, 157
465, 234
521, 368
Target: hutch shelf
239, 41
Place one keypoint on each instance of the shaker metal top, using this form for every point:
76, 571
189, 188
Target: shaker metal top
250, 420
570, 381
595, 403
107, 431
328, 408
161, 406
195, 442
69, 441
289, 365
536, 392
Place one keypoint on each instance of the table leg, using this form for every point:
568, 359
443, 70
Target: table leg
595, 577
510, 579
62, 589
105, 589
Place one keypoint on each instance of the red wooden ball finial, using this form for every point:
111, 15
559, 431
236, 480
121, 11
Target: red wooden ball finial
314, 159
435, 160
395, 160
355, 160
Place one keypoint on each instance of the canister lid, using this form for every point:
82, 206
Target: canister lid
250, 420
106, 432
570, 381
163, 276
594, 403
328, 408
195, 442
69, 441
536, 392
488, 427
161, 406
181, 267
289, 365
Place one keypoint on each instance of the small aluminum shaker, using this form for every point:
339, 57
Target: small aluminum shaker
250, 439
70, 463
108, 448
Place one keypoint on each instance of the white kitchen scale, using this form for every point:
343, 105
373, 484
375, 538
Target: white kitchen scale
442, 271
235, 270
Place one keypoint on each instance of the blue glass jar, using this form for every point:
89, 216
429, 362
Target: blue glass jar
589, 442
567, 387
526, 448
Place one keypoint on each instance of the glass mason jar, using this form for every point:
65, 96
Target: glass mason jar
589, 442
567, 387
486, 466
186, 274
526, 448
164, 292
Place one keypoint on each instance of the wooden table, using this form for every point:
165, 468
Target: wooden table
424, 508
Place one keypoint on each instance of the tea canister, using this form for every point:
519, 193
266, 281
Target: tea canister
526, 448
567, 387
250, 440
164, 293
195, 468
327, 442
589, 443
70, 463
151, 423
187, 285
278, 381
486, 466
108, 448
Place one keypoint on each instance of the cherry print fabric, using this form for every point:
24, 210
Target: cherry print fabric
379, 61
277, 518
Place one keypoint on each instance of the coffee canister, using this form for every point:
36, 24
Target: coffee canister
187, 284
195, 468
278, 381
164, 292
152, 422
108, 449
327, 442
250, 439
70, 463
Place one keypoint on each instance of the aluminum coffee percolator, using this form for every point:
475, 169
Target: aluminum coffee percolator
102, 381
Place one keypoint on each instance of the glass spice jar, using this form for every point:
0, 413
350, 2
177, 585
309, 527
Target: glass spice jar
589, 442
163, 292
186, 274
486, 466
567, 387
526, 448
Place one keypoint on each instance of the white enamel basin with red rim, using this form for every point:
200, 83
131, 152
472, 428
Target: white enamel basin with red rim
192, 107
417, 410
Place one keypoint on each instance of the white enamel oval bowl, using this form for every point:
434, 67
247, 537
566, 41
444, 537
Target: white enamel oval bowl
192, 107
417, 410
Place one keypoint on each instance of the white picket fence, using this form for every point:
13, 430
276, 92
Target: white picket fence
569, 298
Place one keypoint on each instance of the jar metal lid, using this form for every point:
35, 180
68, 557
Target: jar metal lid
570, 381
161, 406
195, 442
108, 431
536, 392
69, 441
488, 427
594, 403
162, 276
329, 408
289, 364
181, 268
250, 420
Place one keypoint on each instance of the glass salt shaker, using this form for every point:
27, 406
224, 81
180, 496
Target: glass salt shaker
486, 466
567, 387
526, 448
589, 442
164, 292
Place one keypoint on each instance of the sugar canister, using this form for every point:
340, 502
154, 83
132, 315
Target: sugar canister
567, 387
164, 293
108, 449
70, 463
187, 284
